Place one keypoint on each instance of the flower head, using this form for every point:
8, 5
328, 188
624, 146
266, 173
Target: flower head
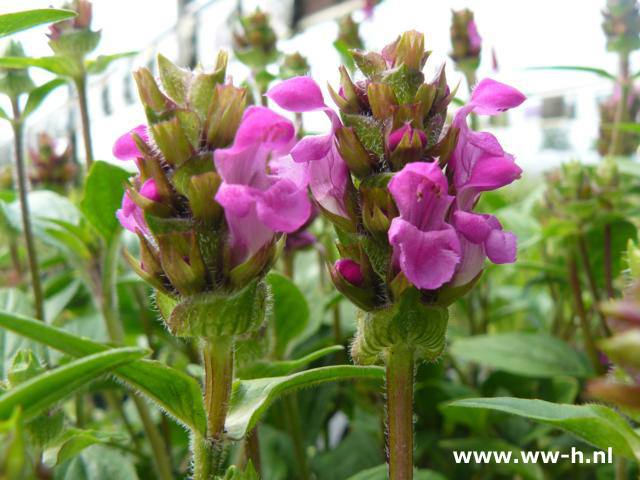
217, 187
399, 184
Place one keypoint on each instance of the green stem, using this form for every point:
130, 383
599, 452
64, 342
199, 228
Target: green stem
292, 417
620, 114
108, 305
593, 286
15, 258
160, 453
608, 261
252, 450
79, 404
470, 75
218, 377
81, 88
32, 255
589, 343
400, 370
108, 293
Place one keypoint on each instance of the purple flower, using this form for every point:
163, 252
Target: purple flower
328, 173
350, 271
131, 215
263, 191
479, 164
125, 148
425, 248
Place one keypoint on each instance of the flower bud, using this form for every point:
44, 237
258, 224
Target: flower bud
353, 153
621, 25
73, 37
255, 42
52, 165
294, 65
24, 366
465, 40
15, 82
378, 207
348, 33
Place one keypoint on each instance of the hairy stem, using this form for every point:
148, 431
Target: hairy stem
400, 369
32, 255
217, 357
81, 88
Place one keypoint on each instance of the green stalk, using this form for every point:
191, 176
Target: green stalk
252, 450
290, 410
292, 418
589, 343
32, 255
218, 378
81, 89
593, 286
108, 305
623, 84
399, 389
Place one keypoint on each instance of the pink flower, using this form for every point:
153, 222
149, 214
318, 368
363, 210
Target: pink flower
125, 148
328, 173
131, 215
425, 247
263, 191
479, 164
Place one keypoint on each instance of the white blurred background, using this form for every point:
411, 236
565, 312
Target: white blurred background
522, 35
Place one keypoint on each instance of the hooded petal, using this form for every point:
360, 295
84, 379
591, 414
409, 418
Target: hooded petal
265, 127
125, 148
298, 94
491, 97
428, 259
131, 215
420, 193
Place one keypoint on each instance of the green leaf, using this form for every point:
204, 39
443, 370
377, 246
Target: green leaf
251, 398
102, 62
41, 392
175, 392
380, 473
598, 71
595, 424
16, 22
266, 368
103, 193
37, 95
290, 313
528, 354
55, 64
627, 127
74, 440
97, 462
